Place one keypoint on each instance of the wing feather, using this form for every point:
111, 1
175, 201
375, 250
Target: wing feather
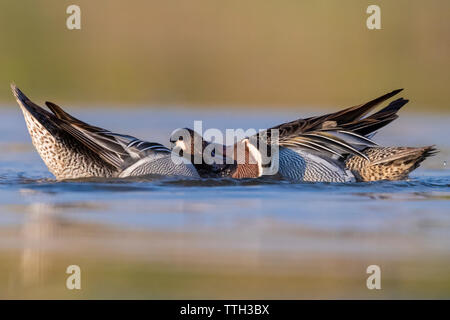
340, 133
115, 148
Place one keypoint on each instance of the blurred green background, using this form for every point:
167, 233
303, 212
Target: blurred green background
252, 53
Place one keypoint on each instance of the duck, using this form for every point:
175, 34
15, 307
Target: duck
73, 149
190, 145
335, 147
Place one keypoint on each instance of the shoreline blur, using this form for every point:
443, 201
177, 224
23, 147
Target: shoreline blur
200, 53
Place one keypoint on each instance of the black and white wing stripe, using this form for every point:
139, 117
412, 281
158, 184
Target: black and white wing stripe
334, 142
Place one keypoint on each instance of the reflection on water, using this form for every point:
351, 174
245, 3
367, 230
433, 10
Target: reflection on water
263, 238
38, 228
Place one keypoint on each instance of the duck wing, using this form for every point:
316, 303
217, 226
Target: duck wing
119, 150
340, 133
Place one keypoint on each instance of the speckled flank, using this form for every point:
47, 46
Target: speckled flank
387, 163
64, 157
298, 165
162, 164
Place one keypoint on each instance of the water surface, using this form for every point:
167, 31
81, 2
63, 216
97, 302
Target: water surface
171, 238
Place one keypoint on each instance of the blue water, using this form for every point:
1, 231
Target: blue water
402, 220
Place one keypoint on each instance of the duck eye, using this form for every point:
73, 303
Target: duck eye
180, 138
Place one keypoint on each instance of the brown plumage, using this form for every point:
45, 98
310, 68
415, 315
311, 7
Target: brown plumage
388, 163
247, 161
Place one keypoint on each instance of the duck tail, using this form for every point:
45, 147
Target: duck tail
388, 163
44, 117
